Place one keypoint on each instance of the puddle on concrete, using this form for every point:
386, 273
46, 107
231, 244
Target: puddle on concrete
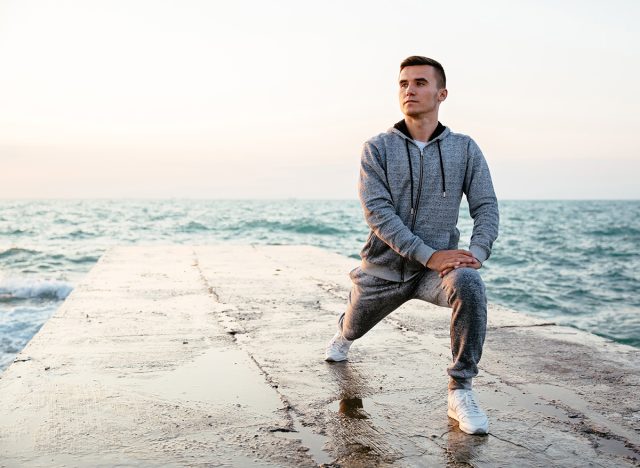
617, 448
371, 407
571, 399
516, 400
314, 442
456, 446
463, 448
225, 377
220, 376
535, 399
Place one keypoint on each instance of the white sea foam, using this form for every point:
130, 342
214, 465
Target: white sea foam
24, 288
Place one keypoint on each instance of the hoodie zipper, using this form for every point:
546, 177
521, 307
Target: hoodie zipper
414, 211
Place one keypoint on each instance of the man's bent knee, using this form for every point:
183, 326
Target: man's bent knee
467, 283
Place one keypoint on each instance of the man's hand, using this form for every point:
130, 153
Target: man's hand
444, 261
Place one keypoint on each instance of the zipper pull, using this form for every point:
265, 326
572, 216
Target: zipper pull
412, 210
444, 194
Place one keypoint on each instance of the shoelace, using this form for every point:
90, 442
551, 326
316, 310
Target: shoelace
469, 405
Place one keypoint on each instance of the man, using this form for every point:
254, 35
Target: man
412, 179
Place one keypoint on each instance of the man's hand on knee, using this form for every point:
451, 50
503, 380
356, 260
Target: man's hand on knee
477, 265
444, 261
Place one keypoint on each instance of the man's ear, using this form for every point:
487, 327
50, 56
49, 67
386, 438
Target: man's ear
442, 94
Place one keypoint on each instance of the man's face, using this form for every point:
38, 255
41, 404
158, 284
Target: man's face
418, 91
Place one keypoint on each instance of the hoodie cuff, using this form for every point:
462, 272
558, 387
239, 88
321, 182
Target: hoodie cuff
423, 254
479, 252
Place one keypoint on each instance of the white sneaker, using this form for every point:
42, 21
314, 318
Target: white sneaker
337, 348
464, 408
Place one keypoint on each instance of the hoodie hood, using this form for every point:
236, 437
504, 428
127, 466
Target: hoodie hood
402, 129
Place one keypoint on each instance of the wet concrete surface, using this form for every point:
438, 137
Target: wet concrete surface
213, 356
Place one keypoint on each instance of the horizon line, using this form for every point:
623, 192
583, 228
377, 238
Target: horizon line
273, 199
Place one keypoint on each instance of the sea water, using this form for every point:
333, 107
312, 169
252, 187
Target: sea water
572, 262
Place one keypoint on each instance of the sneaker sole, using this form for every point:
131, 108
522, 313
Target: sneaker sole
478, 430
331, 359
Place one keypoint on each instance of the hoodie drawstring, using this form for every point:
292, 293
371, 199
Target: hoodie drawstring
410, 172
444, 189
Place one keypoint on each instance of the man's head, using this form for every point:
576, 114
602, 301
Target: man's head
417, 60
422, 86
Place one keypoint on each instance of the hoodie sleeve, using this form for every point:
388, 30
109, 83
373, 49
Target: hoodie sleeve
379, 212
483, 205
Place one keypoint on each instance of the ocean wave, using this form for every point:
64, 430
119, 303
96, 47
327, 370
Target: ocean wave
297, 226
81, 234
609, 251
626, 231
25, 288
12, 251
192, 226
85, 259
15, 232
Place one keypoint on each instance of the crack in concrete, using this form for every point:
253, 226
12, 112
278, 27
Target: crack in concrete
196, 263
448, 452
418, 454
289, 409
511, 442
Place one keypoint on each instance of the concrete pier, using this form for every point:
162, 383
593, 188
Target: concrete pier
213, 356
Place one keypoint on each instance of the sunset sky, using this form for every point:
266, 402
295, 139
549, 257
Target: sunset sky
208, 99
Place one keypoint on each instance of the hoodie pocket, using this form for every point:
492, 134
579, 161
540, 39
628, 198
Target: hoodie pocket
376, 245
373, 245
437, 239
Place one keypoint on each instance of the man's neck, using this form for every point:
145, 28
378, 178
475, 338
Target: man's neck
421, 128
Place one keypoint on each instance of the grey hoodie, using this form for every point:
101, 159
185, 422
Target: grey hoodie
411, 200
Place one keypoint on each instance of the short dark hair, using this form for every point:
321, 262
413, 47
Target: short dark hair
419, 60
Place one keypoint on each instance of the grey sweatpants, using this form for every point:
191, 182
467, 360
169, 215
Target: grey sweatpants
371, 299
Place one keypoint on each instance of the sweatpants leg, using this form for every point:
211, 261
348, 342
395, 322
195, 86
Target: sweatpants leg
371, 299
464, 292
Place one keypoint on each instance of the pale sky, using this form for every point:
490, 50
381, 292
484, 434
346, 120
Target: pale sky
255, 99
